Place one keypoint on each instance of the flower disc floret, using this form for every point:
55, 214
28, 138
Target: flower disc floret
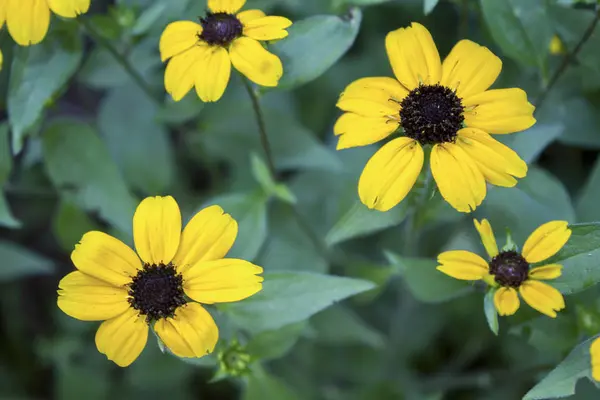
220, 29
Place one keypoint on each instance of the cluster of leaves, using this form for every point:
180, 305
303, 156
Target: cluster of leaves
82, 143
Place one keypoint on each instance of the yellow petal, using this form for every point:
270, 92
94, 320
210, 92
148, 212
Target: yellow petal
497, 162
191, 333
355, 130
249, 15
413, 55
487, 237
542, 297
226, 6
373, 97
457, 176
178, 37
390, 174
267, 28
461, 264
89, 299
470, 68
27, 20
546, 241
506, 301
222, 281
181, 71
213, 74
69, 8
208, 236
2, 14
253, 60
499, 111
122, 338
157, 229
106, 258
550, 271
595, 357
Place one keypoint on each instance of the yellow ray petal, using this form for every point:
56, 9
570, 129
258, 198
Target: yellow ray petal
461, 264
487, 237
250, 58
413, 55
546, 241
191, 333
226, 6
181, 71
208, 236
355, 130
69, 8
157, 229
499, 111
106, 258
213, 73
222, 281
470, 68
542, 297
506, 301
249, 15
27, 20
550, 271
178, 37
373, 97
122, 338
390, 174
595, 358
457, 176
267, 28
89, 299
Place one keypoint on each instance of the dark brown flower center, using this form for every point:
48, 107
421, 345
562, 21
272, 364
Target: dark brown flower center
509, 268
220, 28
431, 114
157, 291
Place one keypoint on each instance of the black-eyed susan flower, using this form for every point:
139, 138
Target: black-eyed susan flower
445, 105
201, 54
509, 271
28, 20
162, 285
595, 356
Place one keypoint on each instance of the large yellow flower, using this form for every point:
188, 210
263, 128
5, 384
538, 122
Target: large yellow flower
509, 270
201, 54
446, 105
28, 20
113, 285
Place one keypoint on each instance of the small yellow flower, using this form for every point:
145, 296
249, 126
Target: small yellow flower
595, 355
446, 105
28, 20
201, 54
131, 293
510, 270
556, 46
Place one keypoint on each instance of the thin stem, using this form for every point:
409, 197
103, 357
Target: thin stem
137, 78
569, 58
262, 129
411, 228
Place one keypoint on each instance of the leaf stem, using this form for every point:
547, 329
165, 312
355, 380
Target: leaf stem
137, 78
569, 58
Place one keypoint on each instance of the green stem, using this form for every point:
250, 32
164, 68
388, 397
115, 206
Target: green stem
412, 226
262, 129
137, 78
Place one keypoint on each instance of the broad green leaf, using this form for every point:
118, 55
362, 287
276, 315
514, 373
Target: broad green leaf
261, 385
37, 73
338, 4
70, 224
314, 45
179, 112
339, 325
429, 5
530, 143
491, 315
587, 203
6, 217
263, 176
424, 281
80, 167
273, 344
522, 29
136, 140
561, 381
289, 297
19, 262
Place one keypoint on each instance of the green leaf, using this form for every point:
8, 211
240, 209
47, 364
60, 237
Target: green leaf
79, 165
429, 5
70, 224
37, 73
180, 112
6, 217
587, 204
18, 262
289, 297
424, 281
277, 343
314, 45
263, 176
530, 143
561, 381
261, 385
491, 315
339, 325
522, 29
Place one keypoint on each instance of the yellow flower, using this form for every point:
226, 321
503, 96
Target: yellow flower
201, 54
595, 355
446, 105
28, 20
131, 293
556, 46
510, 270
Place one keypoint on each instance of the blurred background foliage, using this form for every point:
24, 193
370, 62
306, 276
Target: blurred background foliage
87, 131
